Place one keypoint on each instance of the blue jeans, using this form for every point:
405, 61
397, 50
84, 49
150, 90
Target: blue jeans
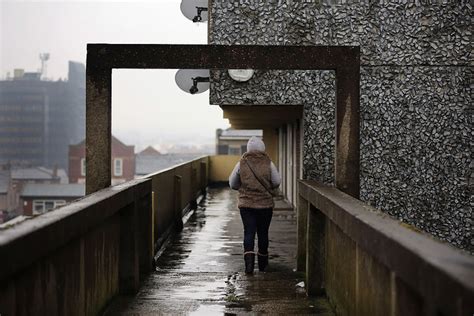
256, 221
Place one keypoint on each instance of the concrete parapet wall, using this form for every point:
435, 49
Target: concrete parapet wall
370, 264
176, 190
73, 260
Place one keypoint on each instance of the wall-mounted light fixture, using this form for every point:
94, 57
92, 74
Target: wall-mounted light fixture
241, 75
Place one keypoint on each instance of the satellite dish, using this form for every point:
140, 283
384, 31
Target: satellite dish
241, 75
195, 10
192, 81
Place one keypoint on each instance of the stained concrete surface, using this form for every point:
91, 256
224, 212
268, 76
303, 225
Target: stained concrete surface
201, 270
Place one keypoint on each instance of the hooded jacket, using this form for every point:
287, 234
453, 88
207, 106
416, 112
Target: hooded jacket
252, 194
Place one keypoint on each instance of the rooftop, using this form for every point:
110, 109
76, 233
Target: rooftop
53, 190
38, 173
149, 151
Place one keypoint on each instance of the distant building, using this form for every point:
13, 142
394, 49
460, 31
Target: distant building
123, 162
6, 196
150, 160
39, 118
4, 185
37, 198
38, 175
234, 141
20, 177
14, 180
147, 161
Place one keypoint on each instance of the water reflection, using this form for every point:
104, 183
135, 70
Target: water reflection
201, 270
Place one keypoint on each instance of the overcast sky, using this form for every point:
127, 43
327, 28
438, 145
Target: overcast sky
148, 107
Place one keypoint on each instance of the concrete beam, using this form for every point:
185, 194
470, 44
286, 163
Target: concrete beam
263, 111
261, 116
162, 56
261, 123
102, 58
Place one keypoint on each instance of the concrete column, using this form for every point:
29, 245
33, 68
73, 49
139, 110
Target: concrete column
302, 216
316, 252
347, 131
98, 127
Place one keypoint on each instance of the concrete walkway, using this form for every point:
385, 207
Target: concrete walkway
201, 270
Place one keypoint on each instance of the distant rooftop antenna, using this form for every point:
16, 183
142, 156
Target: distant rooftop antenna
192, 81
44, 57
195, 10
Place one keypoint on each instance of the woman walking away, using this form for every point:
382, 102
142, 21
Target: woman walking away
255, 176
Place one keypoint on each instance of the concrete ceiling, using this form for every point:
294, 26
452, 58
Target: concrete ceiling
261, 116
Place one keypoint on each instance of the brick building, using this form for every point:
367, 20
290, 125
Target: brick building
38, 198
123, 162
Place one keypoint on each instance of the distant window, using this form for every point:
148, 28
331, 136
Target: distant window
234, 151
41, 206
118, 167
223, 149
243, 149
83, 166
38, 206
48, 205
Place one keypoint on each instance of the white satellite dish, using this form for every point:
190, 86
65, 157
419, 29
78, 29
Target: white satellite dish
192, 81
241, 75
195, 10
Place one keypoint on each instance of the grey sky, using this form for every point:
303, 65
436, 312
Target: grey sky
148, 108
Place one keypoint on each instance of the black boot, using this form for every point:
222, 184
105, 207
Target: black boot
262, 262
249, 258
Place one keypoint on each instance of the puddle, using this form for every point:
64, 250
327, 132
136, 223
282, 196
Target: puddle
206, 310
212, 290
201, 271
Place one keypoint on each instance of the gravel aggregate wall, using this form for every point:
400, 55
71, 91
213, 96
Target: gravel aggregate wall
416, 97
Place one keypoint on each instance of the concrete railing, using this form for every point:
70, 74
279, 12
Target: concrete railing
73, 260
177, 189
175, 192
370, 264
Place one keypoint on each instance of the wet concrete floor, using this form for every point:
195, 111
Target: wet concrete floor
201, 270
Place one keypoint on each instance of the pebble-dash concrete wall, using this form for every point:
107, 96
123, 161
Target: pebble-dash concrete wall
416, 112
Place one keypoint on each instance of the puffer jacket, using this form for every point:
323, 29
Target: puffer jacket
252, 194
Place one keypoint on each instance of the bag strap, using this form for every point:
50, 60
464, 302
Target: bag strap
256, 177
